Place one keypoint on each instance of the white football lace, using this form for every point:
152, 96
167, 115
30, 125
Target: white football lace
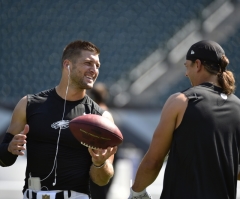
89, 145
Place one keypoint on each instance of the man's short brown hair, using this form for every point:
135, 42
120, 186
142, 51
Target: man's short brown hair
73, 49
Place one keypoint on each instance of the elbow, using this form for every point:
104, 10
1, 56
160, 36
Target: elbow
6, 163
102, 183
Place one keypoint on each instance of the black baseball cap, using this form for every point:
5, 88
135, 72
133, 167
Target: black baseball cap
206, 50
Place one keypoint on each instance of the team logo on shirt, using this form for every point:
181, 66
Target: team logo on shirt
63, 124
224, 96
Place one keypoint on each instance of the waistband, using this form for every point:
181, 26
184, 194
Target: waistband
54, 194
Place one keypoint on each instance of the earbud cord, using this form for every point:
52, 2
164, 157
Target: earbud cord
55, 159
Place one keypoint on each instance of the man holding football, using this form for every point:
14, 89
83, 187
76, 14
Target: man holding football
58, 166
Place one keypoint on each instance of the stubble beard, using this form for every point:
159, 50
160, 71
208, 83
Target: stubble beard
80, 84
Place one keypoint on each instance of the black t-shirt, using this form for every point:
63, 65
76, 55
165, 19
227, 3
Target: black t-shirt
205, 150
73, 161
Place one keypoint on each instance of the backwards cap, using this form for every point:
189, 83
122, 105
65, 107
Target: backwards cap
206, 50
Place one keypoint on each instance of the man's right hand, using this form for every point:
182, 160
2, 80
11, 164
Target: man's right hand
17, 144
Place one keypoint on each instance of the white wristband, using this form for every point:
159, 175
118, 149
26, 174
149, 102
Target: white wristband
137, 193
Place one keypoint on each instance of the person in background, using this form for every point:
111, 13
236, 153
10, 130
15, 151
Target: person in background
200, 129
99, 94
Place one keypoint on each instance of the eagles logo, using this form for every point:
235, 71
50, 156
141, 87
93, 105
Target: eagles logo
63, 124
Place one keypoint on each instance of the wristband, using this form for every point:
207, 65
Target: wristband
6, 158
100, 165
138, 193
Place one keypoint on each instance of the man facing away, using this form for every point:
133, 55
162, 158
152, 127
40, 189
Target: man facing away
200, 129
58, 166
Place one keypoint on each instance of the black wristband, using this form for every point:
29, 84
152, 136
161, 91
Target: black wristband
6, 158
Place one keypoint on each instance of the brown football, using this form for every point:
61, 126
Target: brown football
95, 131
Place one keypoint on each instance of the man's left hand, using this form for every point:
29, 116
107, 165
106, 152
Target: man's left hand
99, 156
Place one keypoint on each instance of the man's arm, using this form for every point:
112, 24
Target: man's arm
18, 117
151, 164
18, 128
14, 139
102, 170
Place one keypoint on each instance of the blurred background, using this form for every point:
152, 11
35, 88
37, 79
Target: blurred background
143, 45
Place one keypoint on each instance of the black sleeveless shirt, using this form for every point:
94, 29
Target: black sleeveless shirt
205, 150
44, 116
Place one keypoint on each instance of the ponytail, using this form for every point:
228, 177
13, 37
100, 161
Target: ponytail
225, 77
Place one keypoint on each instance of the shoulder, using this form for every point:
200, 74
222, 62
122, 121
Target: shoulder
40, 96
234, 101
235, 98
176, 100
108, 115
173, 111
175, 107
95, 108
22, 103
43, 93
18, 117
190, 91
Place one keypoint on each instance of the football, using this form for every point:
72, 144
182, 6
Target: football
95, 131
